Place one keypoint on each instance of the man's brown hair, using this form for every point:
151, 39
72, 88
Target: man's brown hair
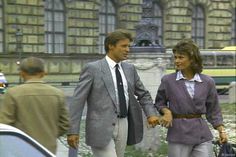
113, 37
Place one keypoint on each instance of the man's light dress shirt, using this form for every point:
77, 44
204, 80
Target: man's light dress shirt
112, 66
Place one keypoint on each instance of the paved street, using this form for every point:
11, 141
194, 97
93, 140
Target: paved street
62, 150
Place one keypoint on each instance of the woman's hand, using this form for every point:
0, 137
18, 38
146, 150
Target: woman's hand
166, 119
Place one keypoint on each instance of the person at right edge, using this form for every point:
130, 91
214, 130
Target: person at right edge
183, 98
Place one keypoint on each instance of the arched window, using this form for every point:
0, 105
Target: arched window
107, 21
198, 26
1, 26
158, 20
233, 32
54, 26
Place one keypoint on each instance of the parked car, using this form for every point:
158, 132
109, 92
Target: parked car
15, 143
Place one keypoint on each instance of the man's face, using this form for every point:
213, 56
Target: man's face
119, 51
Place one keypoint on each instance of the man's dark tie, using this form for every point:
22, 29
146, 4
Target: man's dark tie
121, 95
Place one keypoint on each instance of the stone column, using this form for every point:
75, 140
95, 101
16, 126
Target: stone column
150, 68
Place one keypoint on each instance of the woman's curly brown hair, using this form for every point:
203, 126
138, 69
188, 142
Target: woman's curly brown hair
189, 48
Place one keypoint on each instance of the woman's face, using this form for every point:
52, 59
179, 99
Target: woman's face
182, 62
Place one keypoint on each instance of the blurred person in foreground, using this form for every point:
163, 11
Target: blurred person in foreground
109, 125
185, 97
34, 107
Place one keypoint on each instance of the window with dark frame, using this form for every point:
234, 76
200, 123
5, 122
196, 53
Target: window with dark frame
208, 60
198, 25
107, 21
54, 26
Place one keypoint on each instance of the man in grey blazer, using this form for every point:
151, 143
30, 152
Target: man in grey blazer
107, 131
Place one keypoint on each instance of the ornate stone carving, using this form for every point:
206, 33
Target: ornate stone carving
146, 39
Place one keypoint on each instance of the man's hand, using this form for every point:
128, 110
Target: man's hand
166, 119
153, 121
73, 140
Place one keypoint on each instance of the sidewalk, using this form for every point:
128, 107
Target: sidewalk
62, 151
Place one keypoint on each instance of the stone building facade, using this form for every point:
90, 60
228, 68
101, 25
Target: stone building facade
69, 33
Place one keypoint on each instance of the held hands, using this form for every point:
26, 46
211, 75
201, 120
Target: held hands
153, 121
222, 134
73, 140
223, 137
166, 119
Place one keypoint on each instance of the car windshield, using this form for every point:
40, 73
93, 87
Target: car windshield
13, 146
15, 143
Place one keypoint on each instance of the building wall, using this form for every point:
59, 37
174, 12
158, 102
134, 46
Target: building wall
82, 30
27, 15
218, 21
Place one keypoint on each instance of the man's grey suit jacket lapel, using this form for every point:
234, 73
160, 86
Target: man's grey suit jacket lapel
108, 81
127, 72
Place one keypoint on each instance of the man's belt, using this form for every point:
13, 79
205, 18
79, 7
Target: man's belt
124, 116
187, 116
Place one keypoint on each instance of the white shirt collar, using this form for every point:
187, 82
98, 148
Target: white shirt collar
180, 76
112, 63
